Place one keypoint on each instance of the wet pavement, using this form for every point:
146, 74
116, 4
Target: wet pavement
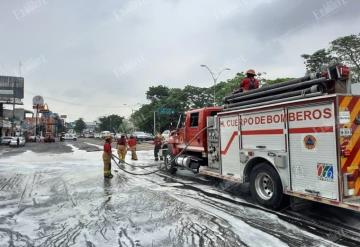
61, 199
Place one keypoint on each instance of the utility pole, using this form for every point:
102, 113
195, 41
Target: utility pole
36, 120
214, 77
110, 123
154, 122
1, 118
13, 109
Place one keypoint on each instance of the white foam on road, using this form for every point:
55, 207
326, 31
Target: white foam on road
64, 196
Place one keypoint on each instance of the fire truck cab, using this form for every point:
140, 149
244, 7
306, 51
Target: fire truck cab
304, 146
193, 135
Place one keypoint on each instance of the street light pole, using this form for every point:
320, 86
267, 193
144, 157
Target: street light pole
154, 123
214, 77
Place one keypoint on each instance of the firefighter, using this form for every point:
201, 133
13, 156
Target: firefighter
132, 147
107, 157
249, 82
122, 147
158, 140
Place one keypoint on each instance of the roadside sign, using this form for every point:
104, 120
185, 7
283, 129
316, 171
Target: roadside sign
38, 100
11, 87
166, 111
7, 92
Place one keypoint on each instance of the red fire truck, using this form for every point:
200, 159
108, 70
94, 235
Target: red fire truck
298, 138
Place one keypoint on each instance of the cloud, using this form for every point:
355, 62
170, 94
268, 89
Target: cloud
99, 56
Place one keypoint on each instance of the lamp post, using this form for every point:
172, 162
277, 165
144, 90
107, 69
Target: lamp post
215, 77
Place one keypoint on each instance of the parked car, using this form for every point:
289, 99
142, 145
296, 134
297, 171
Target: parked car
150, 136
14, 141
143, 136
67, 137
6, 140
105, 134
89, 135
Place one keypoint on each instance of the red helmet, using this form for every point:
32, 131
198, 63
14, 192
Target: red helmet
251, 72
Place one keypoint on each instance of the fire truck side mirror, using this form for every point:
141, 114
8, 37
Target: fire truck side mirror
357, 120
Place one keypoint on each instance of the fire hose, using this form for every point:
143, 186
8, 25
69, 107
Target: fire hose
157, 170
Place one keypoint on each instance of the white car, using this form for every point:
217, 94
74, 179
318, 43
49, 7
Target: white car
14, 141
6, 140
143, 136
105, 134
71, 137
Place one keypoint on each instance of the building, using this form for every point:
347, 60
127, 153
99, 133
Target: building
48, 123
5, 124
11, 93
12, 122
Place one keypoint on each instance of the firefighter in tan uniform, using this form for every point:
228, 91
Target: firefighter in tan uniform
107, 157
122, 147
132, 147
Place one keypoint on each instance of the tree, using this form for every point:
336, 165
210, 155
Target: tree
157, 93
180, 100
226, 88
80, 125
143, 118
318, 60
347, 49
278, 80
110, 123
197, 97
125, 127
344, 50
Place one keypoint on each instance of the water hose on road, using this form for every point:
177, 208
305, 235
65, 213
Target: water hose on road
124, 162
132, 173
157, 170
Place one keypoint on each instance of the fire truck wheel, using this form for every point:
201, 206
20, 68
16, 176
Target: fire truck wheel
265, 186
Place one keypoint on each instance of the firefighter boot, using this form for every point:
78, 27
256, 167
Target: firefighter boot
133, 155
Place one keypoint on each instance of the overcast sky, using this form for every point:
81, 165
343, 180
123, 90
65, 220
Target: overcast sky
90, 58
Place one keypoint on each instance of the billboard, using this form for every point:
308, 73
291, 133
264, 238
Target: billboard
11, 87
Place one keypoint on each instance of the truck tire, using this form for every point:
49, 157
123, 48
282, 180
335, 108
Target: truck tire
266, 187
169, 162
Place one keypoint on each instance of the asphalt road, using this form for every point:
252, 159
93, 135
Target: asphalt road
62, 147
55, 195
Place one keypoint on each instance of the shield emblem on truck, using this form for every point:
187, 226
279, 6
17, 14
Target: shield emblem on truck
310, 141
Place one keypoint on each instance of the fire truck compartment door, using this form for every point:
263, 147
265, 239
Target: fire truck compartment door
229, 142
312, 145
263, 130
